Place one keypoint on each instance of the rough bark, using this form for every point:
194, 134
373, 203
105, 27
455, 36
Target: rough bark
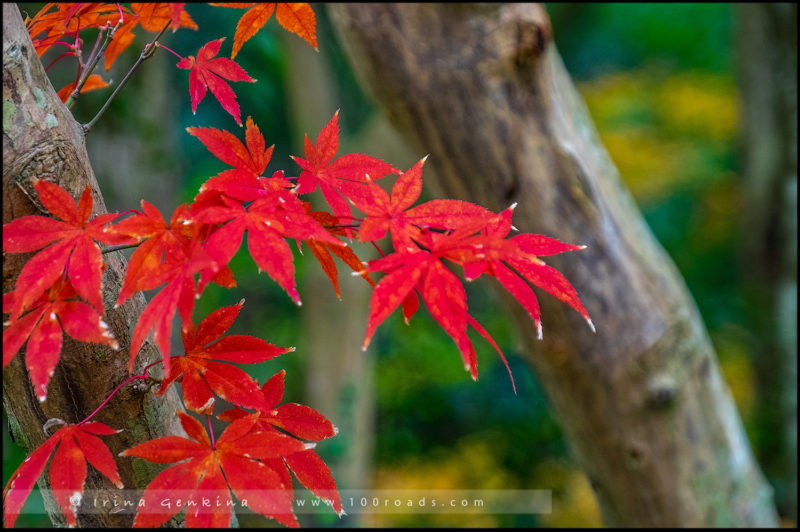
41, 140
768, 80
642, 402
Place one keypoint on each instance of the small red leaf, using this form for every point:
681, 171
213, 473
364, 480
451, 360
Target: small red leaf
207, 73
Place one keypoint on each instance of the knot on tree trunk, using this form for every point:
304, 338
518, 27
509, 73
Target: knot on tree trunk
534, 32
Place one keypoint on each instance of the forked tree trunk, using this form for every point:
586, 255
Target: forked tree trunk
642, 402
41, 140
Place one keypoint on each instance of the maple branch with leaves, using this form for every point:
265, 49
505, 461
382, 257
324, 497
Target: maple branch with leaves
59, 289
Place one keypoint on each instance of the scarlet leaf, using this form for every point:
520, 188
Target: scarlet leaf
303, 422
173, 254
76, 444
252, 159
268, 220
178, 295
42, 328
72, 248
237, 463
201, 376
342, 176
207, 73
312, 473
171, 242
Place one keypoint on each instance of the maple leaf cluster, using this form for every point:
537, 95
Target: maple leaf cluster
57, 23
59, 290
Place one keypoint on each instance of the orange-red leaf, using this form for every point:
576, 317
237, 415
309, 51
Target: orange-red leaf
93, 82
252, 21
151, 16
299, 19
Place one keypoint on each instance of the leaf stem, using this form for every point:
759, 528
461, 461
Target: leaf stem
119, 248
176, 54
341, 226
144, 375
211, 432
378, 248
147, 53
57, 59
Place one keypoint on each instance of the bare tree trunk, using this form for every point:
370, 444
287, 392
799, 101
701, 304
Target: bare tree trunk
642, 402
41, 140
768, 80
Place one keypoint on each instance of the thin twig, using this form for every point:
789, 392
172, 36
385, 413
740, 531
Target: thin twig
147, 53
94, 58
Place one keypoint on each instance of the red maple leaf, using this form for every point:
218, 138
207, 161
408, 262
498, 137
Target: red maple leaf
163, 243
393, 212
179, 295
235, 462
479, 245
337, 177
173, 254
267, 221
441, 291
296, 17
249, 162
77, 444
200, 376
207, 73
55, 312
303, 422
322, 251
486, 252
71, 246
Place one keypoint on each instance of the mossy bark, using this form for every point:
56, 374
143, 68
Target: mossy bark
481, 87
41, 140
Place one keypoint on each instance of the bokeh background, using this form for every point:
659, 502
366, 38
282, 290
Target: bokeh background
661, 84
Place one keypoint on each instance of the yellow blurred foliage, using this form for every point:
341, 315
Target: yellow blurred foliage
468, 465
737, 367
473, 465
574, 503
699, 105
661, 130
718, 219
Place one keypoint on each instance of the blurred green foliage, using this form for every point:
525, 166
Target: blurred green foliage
658, 81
